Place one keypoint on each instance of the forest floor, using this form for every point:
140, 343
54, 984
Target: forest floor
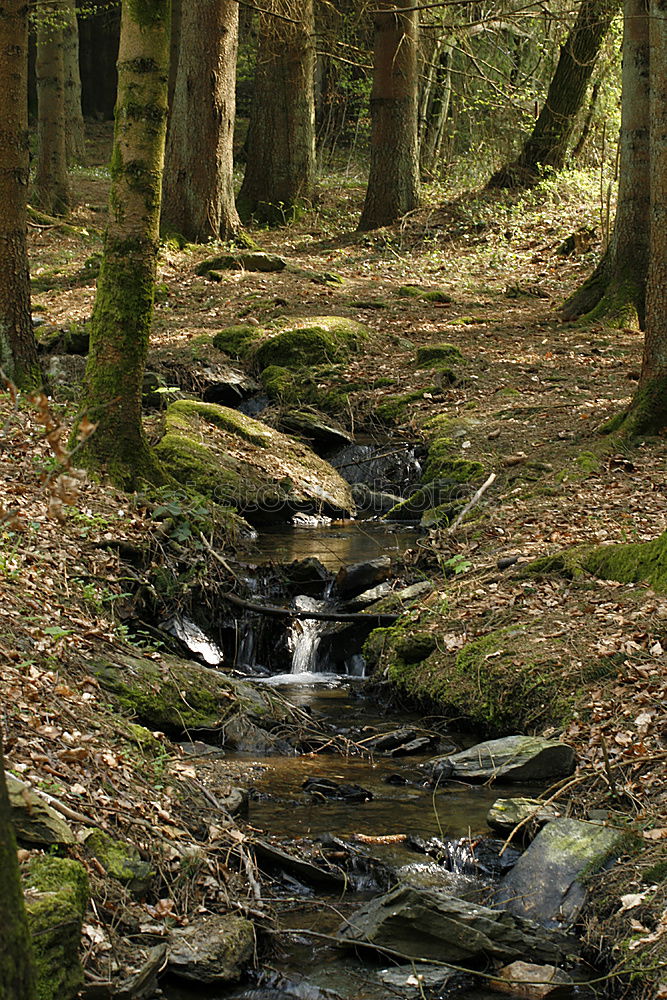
534, 394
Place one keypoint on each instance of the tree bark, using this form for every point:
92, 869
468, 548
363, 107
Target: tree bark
616, 290
75, 136
18, 352
51, 189
648, 411
198, 194
393, 181
279, 178
17, 976
546, 147
122, 314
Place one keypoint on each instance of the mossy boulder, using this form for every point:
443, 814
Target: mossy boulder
325, 387
237, 341
240, 462
121, 861
179, 696
393, 407
425, 294
214, 948
308, 341
634, 562
443, 463
56, 896
240, 261
501, 683
446, 496
436, 355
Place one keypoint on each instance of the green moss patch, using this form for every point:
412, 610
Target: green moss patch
56, 897
305, 342
425, 294
235, 460
237, 341
121, 861
324, 387
437, 354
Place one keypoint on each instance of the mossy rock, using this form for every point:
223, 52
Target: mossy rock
634, 562
235, 460
499, 684
324, 387
437, 355
442, 463
179, 696
237, 341
441, 494
121, 861
425, 294
393, 408
308, 341
240, 261
56, 897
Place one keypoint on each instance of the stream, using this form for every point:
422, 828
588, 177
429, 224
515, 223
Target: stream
383, 835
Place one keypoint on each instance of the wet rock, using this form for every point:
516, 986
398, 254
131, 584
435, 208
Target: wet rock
212, 949
121, 861
34, 821
505, 814
400, 743
325, 788
228, 386
240, 462
56, 896
316, 427
371, 501
271, 857
237, 802
512, 759
358, 577
545, 884
368, 597
535, 982
244, 261
415, 981
430, 924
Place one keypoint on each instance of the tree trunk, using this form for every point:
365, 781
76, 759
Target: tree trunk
17, 977
75, 137
280, 172
51, 189
18, 353
547, 146
393, 181
122, 315
648, 411
98, 51
436, 111
616, 290
198, 179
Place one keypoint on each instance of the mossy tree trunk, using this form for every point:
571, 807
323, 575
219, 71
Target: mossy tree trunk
616, 290
546, 147
279, 178
648, 410
18, 352
17, 976
51, 190
198, 193
393, 180
75, 137
122, 314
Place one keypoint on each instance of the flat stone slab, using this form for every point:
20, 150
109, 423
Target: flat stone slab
545, 884
36, 822
429, 924
511, 759
505, 814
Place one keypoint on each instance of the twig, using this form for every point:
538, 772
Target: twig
319, 616
216, 555
471, 503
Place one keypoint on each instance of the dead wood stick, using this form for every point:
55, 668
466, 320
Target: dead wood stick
471, 503
216, 555
319, 616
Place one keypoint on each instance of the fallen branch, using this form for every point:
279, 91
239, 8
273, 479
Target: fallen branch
56, 804
319, 616
471, 503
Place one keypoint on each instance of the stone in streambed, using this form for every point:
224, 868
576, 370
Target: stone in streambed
505, 814
535, 982
428, 924
511, 759
358, 577
212, 949
546, 883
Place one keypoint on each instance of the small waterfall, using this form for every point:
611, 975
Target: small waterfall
305, 637
459, 856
